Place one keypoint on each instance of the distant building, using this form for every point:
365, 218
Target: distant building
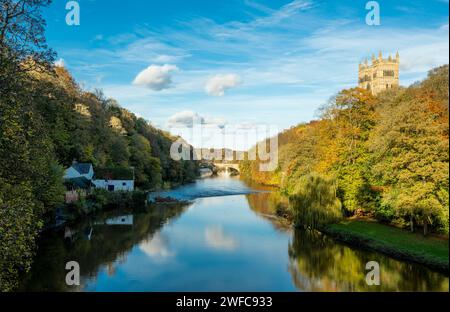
78, 176
380, 75
82, 176
114, 179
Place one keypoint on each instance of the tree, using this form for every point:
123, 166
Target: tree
22, 40
314, 201
352, 116
18, 229
32, 184
410, 152
25, 150
389, 154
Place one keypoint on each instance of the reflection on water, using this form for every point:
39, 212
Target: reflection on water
157, 247
215, 238
317, 263
226, 243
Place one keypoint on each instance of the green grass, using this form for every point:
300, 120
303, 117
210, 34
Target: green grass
431, 251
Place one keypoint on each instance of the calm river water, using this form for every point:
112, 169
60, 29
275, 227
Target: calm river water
226, 240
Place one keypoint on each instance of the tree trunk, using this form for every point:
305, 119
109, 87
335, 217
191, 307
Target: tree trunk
411, 224
425, 228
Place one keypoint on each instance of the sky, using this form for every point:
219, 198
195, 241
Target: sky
237, 63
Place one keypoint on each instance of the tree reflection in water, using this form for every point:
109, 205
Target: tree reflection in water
107, 246
217, 245
318, 263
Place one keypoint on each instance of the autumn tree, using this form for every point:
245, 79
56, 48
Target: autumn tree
411, 152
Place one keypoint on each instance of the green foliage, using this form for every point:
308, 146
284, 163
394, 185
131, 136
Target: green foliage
114, 173
389, 154
30, 179
314, 201
429, 250
47, 121
354, 189
410, 152
18, 229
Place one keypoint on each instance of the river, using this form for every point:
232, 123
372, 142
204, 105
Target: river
226, 239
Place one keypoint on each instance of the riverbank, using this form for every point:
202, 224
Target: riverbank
431, 251
398, 243
97, 201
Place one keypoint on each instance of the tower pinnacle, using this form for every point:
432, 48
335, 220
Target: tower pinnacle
381, 75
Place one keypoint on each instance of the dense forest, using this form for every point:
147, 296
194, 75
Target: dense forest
384, 156
46, 122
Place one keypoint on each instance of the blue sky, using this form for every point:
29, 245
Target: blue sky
239, 61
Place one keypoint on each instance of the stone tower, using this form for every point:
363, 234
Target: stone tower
380, 75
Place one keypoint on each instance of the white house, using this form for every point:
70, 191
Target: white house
114, 185
114, 179
79, 170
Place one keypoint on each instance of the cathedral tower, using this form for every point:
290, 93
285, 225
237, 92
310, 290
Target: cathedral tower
380, 75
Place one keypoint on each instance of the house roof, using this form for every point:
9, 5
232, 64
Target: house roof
82, 168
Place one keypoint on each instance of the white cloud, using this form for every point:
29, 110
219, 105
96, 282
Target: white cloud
285, 12
217, 85
149, 49
421, 58
60, 63
164, 58
156, 77
187, 119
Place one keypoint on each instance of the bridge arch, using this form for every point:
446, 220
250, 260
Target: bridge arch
227, 167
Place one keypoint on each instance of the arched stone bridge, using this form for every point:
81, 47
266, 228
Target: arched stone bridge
222, 166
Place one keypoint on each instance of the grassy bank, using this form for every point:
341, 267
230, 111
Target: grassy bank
430, 251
